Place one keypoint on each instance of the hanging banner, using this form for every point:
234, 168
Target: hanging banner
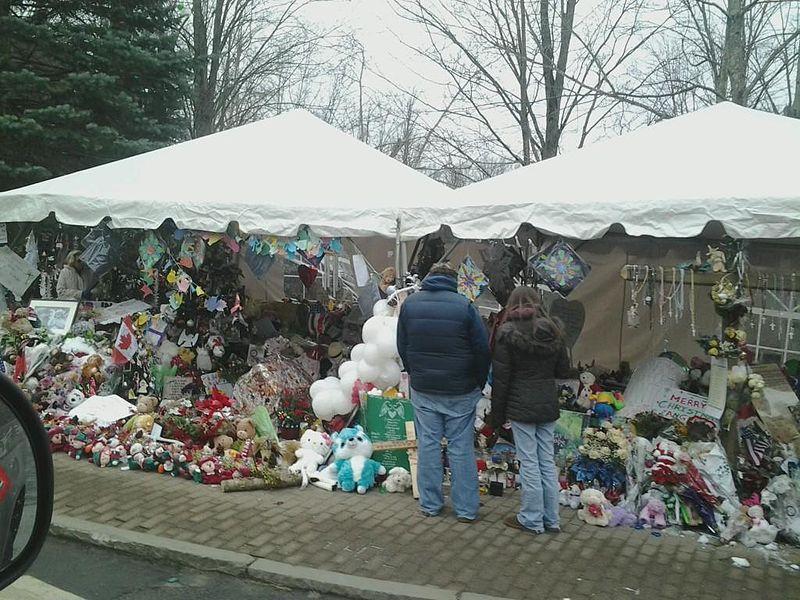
16, 275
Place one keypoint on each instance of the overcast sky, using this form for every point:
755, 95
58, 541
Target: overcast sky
380, 31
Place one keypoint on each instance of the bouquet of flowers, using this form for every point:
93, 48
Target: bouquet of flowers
732, 345
602, 459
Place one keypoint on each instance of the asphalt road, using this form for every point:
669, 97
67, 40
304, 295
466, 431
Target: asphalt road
94, 573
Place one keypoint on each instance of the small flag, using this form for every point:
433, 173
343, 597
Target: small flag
126, 346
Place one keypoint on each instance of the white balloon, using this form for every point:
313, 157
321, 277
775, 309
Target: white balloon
347, 367
348, 381
374, 325
381, 309
390, 375
330, 403
367, 372
357, 353
329, 383
372, 354
387, 344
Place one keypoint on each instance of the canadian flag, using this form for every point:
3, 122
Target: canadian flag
126, 345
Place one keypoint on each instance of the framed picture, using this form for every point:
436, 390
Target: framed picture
56, 316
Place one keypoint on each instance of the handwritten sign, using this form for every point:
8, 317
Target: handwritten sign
385, 420
675, 403
173, 389
116, 312
16, 275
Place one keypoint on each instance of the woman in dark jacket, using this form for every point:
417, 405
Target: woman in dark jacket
529, 355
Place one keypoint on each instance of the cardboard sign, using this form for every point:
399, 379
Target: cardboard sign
385, 421
116, 312
675, 403
648, 382
173, 389
16, 275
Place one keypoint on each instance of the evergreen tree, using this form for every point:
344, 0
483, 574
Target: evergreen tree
84, 82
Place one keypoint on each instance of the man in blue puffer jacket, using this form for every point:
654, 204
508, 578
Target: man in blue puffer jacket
445, 349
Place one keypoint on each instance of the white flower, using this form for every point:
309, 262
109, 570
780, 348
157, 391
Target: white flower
600, 435
593, 454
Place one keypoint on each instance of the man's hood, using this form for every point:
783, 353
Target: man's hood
439, 283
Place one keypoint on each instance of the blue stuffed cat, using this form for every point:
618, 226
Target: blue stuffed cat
353, 468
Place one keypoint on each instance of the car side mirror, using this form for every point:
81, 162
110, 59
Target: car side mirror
26, 483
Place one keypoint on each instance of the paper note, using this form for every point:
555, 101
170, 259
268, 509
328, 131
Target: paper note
16, 275
718, 383
116, 312
173, 388
360, 270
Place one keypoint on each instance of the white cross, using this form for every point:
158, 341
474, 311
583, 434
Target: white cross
772, 326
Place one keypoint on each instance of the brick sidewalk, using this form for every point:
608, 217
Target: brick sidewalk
382, 536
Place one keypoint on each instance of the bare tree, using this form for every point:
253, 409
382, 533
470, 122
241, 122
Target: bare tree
739, 50
245, 53
534, 67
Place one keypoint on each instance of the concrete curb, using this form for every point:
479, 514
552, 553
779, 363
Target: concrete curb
200, 557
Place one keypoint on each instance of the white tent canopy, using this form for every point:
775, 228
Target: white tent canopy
724, 163
271, 176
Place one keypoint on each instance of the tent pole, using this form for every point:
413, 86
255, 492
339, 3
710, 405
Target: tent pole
398, 259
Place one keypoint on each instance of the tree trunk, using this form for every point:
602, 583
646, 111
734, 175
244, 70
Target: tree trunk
524, 100
203, 95
5, 41
794, 110
733, 68
554, 72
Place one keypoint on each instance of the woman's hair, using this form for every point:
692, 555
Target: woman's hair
524, 297
73, 259
525, 304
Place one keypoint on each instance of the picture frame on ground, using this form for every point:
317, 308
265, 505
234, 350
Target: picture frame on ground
56, 316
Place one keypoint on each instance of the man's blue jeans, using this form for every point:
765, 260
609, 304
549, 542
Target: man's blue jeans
451, 417
538, 474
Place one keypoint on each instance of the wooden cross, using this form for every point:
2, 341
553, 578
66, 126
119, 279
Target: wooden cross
410, 445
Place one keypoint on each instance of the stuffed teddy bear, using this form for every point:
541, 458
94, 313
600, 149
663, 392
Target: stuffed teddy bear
222, 443
245, 429
654, 512
314, 447
354, 469
594, 511
399, 480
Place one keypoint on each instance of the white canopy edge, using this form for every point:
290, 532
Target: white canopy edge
724, 163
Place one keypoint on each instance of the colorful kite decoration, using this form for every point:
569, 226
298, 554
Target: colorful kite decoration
560, 268
471, 280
